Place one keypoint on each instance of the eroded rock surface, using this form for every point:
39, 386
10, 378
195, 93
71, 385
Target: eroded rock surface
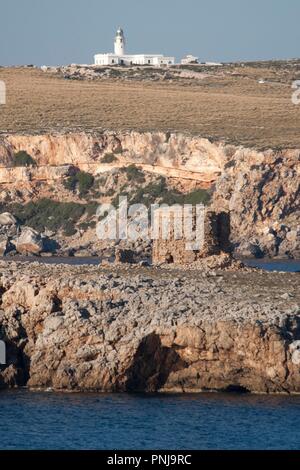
259, 190
134, 329
29, 241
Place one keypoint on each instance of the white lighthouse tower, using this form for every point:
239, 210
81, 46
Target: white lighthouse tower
119, 57
120, 43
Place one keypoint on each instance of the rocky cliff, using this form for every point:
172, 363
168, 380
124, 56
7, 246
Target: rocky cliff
174, 155
129, 329
261, 192
260, 189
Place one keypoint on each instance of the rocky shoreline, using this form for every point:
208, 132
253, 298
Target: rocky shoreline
122, 328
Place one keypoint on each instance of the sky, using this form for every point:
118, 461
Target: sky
55, 32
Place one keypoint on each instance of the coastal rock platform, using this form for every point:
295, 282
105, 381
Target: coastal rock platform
133, 329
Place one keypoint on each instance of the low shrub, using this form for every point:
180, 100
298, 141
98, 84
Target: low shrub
198, 196
91, 208
48, 214
86, 225
150, 194
70, 183
109, 158
69, 229
81, 180
134, 174
85, 182
22, 158
158, 192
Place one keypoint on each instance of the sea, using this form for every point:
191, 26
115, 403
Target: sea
209, 421
88, 421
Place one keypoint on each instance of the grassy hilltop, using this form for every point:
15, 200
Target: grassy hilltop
225, 102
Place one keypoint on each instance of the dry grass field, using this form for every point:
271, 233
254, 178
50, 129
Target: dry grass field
229, 103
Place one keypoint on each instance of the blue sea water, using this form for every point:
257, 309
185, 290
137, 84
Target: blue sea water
287, 265
42, 420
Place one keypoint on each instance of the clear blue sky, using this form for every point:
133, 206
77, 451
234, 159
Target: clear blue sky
65, 31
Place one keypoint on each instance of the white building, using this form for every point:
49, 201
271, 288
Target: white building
190, 59
119, 57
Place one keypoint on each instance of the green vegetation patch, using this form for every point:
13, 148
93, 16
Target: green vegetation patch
87, 225
198, 196
48, 214
158, 192
82, 181
22, 158
133, 173
109, 158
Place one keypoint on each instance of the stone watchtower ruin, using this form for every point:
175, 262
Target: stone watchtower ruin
172, 245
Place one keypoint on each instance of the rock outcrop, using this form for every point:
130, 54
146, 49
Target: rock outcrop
29, 242
174, 155
134, 329
260, 190
88, 72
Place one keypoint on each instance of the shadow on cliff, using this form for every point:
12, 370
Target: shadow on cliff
223, 229
15, 373
152, 365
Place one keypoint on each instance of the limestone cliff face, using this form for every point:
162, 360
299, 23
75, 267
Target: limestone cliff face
48, 174
83, 328
261, 192
174, 155
260, 189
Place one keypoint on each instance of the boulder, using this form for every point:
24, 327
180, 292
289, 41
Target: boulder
7, 219
29, 242
250, 249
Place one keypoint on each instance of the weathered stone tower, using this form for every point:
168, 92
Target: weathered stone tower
120, 43
180, 250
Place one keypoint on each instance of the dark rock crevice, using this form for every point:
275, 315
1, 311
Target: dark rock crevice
152, 365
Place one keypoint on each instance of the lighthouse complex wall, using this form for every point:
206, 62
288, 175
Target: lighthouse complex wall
137, 59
